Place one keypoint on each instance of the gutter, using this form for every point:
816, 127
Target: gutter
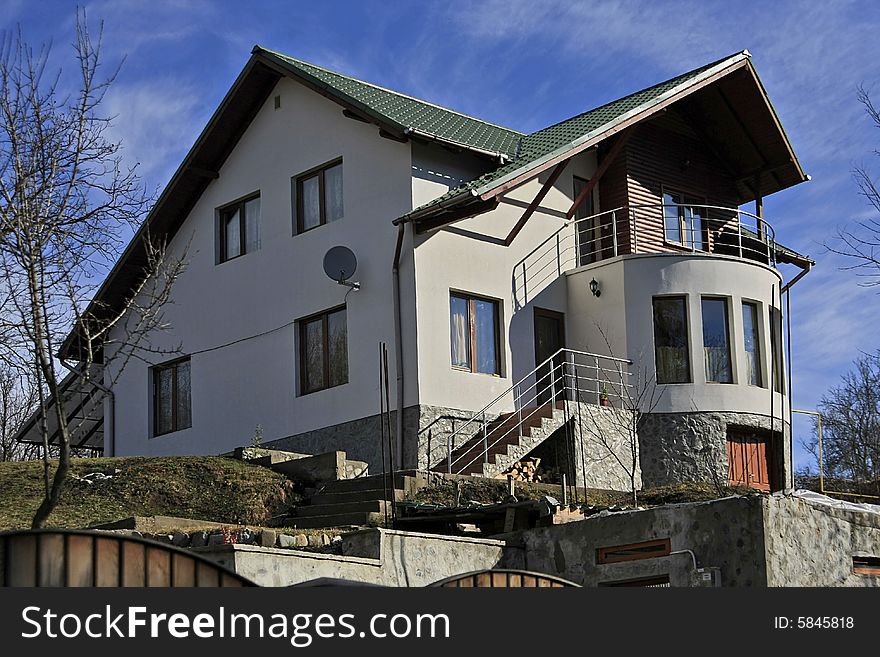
804, 272
398, 338
109, 423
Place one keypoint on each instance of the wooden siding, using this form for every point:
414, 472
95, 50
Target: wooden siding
663, 154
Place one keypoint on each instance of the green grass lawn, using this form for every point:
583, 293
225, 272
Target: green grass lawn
209, 488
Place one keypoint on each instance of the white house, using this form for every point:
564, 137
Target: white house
615, 236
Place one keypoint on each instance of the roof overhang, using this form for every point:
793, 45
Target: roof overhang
727, 103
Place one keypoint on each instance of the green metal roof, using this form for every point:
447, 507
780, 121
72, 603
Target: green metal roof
560, 137
404, 113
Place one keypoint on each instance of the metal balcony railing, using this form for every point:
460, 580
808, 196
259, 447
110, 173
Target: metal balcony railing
655, 228
568, 375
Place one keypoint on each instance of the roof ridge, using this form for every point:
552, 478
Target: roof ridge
392, 91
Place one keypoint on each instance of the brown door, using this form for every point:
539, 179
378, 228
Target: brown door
750, 459
549, 338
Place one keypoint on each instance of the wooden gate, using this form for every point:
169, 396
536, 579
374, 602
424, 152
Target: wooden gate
92, 559
750, 459
495, 579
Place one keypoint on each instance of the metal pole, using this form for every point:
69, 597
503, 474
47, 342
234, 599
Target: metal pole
485, 441
614, 233
577, 388
635, 232
558, 257
518, 403
598, 392
525, 285
390, 437
382, 436
739, 233
449, 453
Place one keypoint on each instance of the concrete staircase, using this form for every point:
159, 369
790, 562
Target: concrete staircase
355, 502
506, 445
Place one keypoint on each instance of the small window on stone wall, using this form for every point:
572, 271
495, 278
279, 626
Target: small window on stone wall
866, 565
659, 582
645, 550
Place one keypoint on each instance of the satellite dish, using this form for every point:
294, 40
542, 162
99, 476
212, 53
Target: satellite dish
340, 264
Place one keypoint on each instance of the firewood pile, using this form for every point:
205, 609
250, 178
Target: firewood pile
523, 470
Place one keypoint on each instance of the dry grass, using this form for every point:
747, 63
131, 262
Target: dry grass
214, 489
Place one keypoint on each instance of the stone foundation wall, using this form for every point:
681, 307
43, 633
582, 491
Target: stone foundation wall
603, 444
677, 447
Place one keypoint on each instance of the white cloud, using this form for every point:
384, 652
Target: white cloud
156, 121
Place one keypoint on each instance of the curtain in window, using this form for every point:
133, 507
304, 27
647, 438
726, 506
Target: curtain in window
164, 392
459, 331
311, 203
337, 342
672, 365
314, 355
717, 362
184, 403
752, 344
485, 325
333, 193
233, 235
252, 225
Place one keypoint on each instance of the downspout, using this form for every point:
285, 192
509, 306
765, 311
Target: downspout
786, 289
110, 422
398, 339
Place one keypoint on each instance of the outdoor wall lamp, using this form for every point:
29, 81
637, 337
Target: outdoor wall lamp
594, 288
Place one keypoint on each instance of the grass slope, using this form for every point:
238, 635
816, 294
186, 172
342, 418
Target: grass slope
202, 487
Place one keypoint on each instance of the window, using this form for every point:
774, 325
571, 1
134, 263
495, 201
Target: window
319, 196
323, 344
716, 341
776, 350
644, 550
659, 582
671, 340
239, 228
588, 233
866, 565
473, 327
172, 404
752, 344
683, 220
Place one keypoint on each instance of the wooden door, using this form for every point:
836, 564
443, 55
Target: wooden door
750, 459
549, 338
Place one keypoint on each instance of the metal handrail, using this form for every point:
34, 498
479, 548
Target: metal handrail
616, 232
558, 383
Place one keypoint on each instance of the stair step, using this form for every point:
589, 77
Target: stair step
366, 506
358, 519
372, 482
341, 497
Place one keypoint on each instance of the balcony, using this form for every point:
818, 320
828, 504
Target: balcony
645, 229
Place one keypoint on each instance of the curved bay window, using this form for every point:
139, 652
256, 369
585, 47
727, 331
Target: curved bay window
671, 340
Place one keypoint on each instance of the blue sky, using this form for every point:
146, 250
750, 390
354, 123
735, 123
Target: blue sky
527, 64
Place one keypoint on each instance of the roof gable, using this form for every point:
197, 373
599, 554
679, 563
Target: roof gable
403, 114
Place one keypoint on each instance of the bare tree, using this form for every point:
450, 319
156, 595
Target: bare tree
850, 414
616, 430
860, 242
67, 206
18, 400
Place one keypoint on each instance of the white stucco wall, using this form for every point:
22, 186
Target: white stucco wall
449, 260
625, 312
254, 382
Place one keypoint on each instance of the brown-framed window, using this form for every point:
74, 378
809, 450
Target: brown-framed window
323, 351
239, 227
658, 582
866, 565
671, 345
683, 220
318, 196
634, 551
752, 344
172, 397
474, 333
716, 340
